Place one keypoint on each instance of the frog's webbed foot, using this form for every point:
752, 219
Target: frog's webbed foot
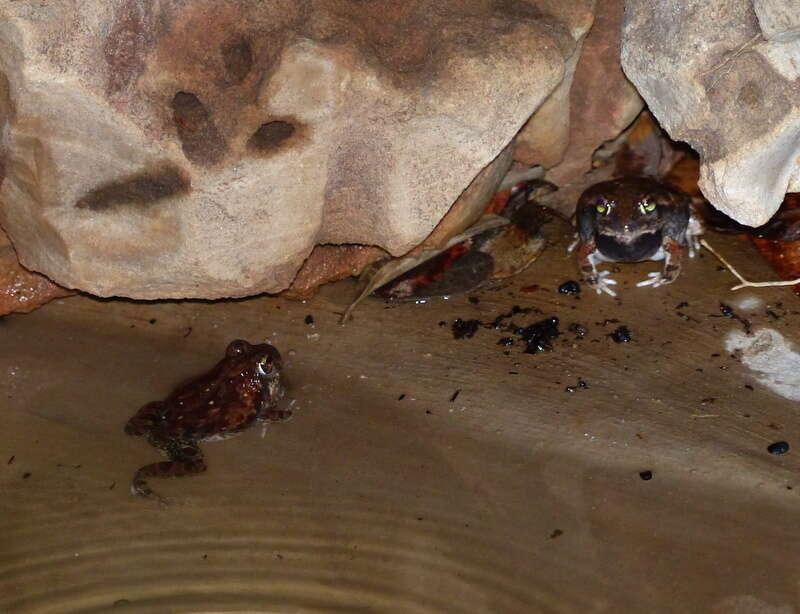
656, 279
587, 264
672, 265
139, 488
602, 283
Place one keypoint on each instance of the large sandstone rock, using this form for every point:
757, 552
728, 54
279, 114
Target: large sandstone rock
202, 149
724, 76
544, 138
602, 102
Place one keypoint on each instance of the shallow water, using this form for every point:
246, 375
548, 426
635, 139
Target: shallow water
515, 497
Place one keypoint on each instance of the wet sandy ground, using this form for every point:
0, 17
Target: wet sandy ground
515, 497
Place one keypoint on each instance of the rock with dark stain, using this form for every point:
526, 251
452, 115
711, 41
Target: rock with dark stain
270, 137
143, 189
295, 127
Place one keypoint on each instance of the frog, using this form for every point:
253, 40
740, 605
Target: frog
633, 219
242, 389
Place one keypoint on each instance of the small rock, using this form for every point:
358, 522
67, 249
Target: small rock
621, 335
569, 287
464, 329
539, 337
779, 447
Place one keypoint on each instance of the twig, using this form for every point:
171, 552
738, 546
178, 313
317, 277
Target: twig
745, 283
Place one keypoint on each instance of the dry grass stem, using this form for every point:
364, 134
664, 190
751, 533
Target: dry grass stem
745, 283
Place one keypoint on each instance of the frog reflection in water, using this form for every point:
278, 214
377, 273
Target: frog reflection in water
633, 219
244, 387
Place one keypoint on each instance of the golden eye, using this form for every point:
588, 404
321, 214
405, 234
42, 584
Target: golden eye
601, 208
647, 206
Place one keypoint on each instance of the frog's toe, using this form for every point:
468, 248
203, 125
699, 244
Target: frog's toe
144, 491
571, 247
603, 283
654, 279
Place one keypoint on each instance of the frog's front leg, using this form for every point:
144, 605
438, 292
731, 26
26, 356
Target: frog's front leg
185, 459
587, 264
694, 231
673, 259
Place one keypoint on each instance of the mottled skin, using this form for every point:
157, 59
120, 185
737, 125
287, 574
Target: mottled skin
244, 387
632, 219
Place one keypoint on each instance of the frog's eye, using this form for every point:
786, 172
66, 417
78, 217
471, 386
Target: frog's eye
601, 205
647, 206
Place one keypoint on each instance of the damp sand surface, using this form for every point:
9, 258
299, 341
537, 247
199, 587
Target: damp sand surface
420, 473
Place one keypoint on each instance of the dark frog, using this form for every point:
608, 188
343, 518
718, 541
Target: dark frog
243, 388
631, 220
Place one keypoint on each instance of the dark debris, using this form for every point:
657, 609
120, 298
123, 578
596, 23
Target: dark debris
779, 447
621, 335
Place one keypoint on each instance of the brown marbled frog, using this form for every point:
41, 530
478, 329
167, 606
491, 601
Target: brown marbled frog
633, 219
244, 387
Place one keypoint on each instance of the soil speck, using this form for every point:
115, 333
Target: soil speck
581, 385
578, 330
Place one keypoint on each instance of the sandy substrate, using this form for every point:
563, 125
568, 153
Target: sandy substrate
516, 496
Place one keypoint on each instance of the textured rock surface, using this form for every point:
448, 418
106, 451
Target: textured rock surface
20, 290
202, 149
472, 202
602, 101
724, 77
330, 263
544, 138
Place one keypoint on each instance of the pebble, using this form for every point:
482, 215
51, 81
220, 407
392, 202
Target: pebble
621, 335
569, 287
779, 447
